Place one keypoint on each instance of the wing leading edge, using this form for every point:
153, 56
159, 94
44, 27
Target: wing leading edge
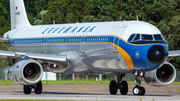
173, 54
4, 40
48, 58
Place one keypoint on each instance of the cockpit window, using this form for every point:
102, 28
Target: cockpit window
131, 37
146, 37
137, 37
158, 37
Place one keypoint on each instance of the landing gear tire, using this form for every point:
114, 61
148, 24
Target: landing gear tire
124, 88
38, 88
138, 90
27, 89
113, 87
143, 91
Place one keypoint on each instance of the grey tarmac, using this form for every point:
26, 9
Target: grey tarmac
91, 92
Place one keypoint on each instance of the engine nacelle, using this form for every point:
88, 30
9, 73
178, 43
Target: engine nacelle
162, 76
26, 72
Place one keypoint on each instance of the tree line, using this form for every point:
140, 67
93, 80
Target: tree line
164, 14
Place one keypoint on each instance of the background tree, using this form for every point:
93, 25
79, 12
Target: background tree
35, 6
69, 11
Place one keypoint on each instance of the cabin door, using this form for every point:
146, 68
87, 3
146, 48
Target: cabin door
83, 42
117, 40
45, 42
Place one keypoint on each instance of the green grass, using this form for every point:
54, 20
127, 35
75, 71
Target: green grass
9, 82
34, 100
75, 82
177, 83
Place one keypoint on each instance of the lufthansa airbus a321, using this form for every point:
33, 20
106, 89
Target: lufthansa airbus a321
120, 47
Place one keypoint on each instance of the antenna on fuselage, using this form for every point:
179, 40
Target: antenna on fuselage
54, 22
137, 18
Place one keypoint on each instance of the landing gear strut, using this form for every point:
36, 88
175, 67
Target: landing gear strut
37, 88
121, 85
138, 89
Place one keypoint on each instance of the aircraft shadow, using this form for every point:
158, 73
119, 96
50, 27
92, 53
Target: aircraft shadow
72, 93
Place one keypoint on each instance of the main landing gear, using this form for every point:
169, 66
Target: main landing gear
37, 88
138, 89
122, 86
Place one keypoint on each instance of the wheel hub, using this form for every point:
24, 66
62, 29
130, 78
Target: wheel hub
136, 90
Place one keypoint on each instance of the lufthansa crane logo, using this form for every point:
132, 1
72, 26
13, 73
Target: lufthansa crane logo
137, 54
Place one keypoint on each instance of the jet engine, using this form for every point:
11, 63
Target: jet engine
162, 76
26, 72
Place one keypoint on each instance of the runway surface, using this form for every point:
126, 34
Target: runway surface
91, 92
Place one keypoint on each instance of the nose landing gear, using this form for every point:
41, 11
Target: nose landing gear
138, 89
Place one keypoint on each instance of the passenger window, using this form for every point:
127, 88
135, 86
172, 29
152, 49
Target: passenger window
147, 37
158, 37
131, 37
137, 37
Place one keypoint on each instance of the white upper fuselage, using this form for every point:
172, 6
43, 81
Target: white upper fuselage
81, 29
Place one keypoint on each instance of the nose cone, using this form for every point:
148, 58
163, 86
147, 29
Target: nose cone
157, 54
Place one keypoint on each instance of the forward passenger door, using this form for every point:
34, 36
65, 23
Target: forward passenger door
117, 38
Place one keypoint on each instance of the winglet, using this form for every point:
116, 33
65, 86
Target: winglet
18, 14
4, 40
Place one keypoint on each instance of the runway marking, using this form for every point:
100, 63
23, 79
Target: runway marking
165, 90
79, 88
155, 90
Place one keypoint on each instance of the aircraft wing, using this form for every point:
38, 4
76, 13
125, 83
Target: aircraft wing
48, 58
173, 54
4, 40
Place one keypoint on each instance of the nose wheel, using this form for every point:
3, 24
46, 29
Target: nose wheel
138, 90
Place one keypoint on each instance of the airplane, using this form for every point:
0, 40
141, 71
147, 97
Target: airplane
118, 47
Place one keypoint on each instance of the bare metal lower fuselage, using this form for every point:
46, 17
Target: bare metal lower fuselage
84, 58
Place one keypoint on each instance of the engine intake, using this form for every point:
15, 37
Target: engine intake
163, 76
26, 72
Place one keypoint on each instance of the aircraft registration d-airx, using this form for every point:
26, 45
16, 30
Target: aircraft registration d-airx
120, 47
